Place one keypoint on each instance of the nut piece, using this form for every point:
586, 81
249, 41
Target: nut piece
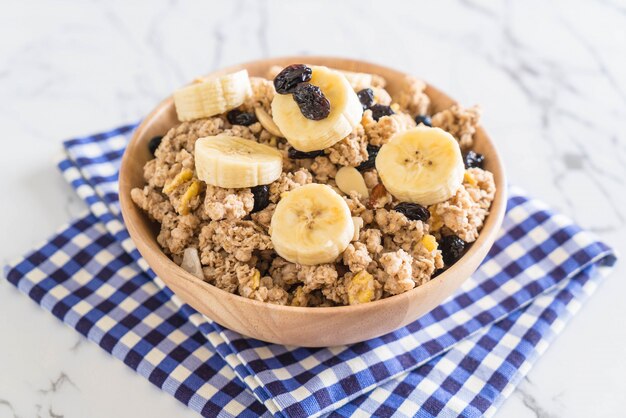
267, 122
379, 197
358, 224
191, 262
350, 179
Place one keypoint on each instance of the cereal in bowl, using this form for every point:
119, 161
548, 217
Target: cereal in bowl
314, 186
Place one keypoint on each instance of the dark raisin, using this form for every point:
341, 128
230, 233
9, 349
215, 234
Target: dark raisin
311, 101
372, 152
413, 211
425, 119
474, 159
294, 154
378, 111
261, 197
287, 80
237, 117
452, 248
366, 97
342, 269
437, 272
154, 144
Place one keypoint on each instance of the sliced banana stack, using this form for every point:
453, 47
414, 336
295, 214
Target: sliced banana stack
422, 165
311, 225
312, 135
212, 96
234, 162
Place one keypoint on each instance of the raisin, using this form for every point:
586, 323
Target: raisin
425, 119
154, 144
287, 80
237, 117
473, 159
372, 152
452, 248
261, 197
311, 101
342, 269
378, 111
413, 211
366, 97
294, 154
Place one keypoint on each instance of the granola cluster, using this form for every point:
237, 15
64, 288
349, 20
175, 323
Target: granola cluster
389, 253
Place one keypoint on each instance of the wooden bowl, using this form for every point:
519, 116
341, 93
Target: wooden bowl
298, 326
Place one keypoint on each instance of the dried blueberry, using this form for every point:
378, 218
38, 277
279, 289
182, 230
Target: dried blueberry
237, 117
294, 154
287, 80
425, 119
452, 248
378, 111
154, 144
413, 211
261, 197
366, 97
474, 159
372, 152
311, 101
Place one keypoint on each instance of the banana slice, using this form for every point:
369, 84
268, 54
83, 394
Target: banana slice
233, 162
267, 122
212, 96
311, 135
422, 165
311, 225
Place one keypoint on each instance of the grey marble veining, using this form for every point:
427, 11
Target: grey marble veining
550, 76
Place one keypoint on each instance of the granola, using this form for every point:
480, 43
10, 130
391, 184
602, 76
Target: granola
388, 253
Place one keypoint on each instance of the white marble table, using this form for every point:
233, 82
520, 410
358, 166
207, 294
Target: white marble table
551, 77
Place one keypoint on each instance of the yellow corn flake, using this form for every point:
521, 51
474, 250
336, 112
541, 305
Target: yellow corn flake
180, 178
256, 279
395, 107
468, 178
299, 297
191, 192
361, 288
429, 242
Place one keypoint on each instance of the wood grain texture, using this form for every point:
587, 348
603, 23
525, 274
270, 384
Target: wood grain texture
311, 327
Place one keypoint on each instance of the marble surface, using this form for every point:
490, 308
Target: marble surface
551, 77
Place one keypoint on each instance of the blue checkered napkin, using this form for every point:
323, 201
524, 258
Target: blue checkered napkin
293, 368
301, 382
293, 378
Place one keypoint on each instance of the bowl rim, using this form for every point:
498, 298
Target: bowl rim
492, 222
